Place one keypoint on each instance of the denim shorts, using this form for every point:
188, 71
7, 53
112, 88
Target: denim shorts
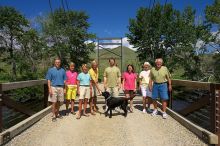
160, 91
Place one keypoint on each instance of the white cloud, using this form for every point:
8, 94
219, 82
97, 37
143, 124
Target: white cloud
124, 43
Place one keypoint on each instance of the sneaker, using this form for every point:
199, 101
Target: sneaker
164, 115
144, 110
154, 113
149, 110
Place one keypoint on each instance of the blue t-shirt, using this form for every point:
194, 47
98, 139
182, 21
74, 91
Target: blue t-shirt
56, 76
84, 78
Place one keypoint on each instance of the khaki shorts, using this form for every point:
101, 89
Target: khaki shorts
94, 91
84, 92
114, 91
57, 94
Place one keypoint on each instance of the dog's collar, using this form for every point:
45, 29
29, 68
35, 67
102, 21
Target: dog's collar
108, 98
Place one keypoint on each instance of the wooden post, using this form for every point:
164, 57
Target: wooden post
170, 99
46, 93
215, 109
1, 123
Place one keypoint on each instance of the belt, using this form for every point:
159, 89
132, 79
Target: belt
58, 86
84, 85
160, 83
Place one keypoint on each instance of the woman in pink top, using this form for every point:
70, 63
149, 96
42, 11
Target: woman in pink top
71, 88
129, 84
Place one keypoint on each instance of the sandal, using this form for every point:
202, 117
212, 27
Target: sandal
73, 113
93, 113
78, 117
59, 116
54, 119
131, 109
86, 115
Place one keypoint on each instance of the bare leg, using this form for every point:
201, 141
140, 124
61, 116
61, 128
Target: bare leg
164, 105
67, 105
72, 106
80, 109
90, 104
58, 108
144, 102
149, 101
85, 106
54, 109
155, 104
94, 102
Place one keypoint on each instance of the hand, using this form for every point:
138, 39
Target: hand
100, 92
64, 91
150, 88
78, 92
119, 87
50, 92
105, 86
170, 88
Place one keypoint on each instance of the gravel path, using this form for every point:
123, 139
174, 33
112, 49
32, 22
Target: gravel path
137, 129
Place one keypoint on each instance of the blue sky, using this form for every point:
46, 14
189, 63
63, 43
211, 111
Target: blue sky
108, 18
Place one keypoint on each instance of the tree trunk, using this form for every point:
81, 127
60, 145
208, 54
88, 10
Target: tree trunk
13, 64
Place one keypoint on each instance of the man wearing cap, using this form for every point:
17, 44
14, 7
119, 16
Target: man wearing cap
159, 77
56, 78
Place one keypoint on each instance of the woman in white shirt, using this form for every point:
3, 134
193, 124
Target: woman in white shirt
144, 82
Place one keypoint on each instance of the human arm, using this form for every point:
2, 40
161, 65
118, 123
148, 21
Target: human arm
78, 83
119, 79
49, 87
135, 85
105, 79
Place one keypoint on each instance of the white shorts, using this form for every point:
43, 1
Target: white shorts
145, 91
84, 92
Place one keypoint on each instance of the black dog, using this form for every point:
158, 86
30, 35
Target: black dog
113, 102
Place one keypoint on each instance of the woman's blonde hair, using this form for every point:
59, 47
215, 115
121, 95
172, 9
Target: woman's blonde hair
94, 62
84, 65
71, 63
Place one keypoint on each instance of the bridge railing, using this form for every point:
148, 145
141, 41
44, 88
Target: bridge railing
199, 102
22, 108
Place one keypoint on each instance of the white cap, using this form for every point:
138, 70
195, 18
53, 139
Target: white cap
147, 63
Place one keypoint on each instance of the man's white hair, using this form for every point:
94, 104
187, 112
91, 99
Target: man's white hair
159, 60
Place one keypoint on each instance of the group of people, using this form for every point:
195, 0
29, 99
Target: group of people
154, 83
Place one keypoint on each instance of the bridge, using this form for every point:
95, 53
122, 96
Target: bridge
193, 120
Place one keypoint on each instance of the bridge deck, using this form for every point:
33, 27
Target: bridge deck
137, 129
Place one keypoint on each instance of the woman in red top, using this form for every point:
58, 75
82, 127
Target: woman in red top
129, 84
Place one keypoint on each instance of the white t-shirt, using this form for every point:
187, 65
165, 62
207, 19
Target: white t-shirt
145, 77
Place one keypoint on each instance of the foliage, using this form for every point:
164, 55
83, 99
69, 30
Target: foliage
168, 33
67, 32
12, 25
213, 16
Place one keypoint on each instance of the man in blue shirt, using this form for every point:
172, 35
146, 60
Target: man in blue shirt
56, 77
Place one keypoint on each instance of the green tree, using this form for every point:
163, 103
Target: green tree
213, 16
67, 32
165, 32
12, 25
30, 55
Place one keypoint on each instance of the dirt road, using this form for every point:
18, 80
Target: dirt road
137, 129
